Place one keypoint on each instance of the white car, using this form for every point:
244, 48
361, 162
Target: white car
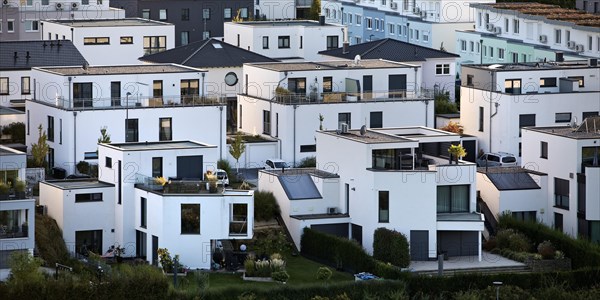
222, 178
275, 163
500, 159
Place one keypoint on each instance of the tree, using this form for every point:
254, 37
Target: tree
40, 150
315, 10
236, 149
104, 137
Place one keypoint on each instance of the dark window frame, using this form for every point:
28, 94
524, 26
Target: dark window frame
126, 40
89, 197
561, 193
332, 42
265, 42
548, 82
108, 162
96, 41
25, 86
50, 133
543, 150
308, 148
134, 136
561, 117
185, 14
267, 122
189, 226
383, 205
378, 117
283, 42
163, 133
157, 163
452, 200
143, 212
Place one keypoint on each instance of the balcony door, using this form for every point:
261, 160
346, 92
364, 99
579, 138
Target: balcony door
190, 167
82, 94
397, 86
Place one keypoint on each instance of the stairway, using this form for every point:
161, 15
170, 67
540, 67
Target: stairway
491, 224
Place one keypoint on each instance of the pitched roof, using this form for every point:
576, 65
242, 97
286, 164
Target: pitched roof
389, 49
41, 54
212, 53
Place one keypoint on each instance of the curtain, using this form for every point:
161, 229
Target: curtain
460, 198
443, 199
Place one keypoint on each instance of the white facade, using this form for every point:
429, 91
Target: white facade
284, 39
276, 9
543, 95
131, 38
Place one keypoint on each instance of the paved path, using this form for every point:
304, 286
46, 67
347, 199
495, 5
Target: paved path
488, 260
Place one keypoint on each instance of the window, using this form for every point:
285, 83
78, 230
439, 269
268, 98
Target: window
590, 43
82, 94
384, 206
548, 82
96, 41
265, 40
227, 13
478, 18
108, 162
31, 26
558, 221
481, 118
391, 28
60, 131
83, 2
185, 14
417, 38
143, 212
369, 23
25, 85
190, 89
165, 131
453, 198
297, 85
301, 40
266, 122
562, 117
283, 42
463, 44
50, 129
567, 35
358, 20
240, 117
470, 80
190, 218
157, 89
185, 38
131, 130
442, 69
512, 86
525, 121
506, 22
332, 42
28, 122
500, 53
544, 150
561, 193
376, 119
89, 240
350, 18
206, 13
154, 44
10, 26
0, 25
126, 40
491, 51
516, 26
399, 27
146, 13
471, 46
157, 167
578, 78
377, 24
162, 14
344, 118
308, 148
205, 35
584, 115
526, 216
327, 84
45, 2
515, 57
91, 197
557, 36
244, 13
487, 19
484, 51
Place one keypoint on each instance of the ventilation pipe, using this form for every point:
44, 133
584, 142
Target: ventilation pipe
346, 43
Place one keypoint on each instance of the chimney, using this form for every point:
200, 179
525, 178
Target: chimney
559, 56
346, 44
321, 20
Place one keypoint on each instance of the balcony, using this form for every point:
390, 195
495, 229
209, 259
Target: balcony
410, 162
135, 102
13, 224
343, 97
176, 186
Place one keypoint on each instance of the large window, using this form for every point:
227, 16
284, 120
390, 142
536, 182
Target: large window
115, 93
297, 85
562, 117
4, 86
88, 241
548, 82
143, 212
384, 206
580, 79
376, 119
190, 89
157, 89
157, 167
442, 69
11, 223
332, 42
31, 26
453, 199
25, 85
82, 94
525, 121
512, 86
154, 44
185, 14
527, 216
190, 218
561, 193
283, 42
327, 84
266, 122
96, 40
131, 130
50, 128
88, 197
165, 131
344, 118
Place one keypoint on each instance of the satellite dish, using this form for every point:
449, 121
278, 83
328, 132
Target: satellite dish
357, 60
574, 123
363, 130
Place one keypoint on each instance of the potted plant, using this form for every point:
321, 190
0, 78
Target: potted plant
161, 181
20, 187
4, 190
456, 151
211, 179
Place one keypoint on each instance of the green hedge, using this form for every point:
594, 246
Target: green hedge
391, 246
265, 206
581, 252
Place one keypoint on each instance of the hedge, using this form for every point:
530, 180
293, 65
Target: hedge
582, 253
265, 206
391, 246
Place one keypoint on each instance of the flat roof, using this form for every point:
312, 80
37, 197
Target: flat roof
332, 65
109, 22
287, 23
124, 69
320, 216
548, 11
74, 184
10, 111
167, 145
9, 151
421, 133
534, 66
588, 129
370, 136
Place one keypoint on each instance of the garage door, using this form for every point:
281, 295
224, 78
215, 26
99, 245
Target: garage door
458, 243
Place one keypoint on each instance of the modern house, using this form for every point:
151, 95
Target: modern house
397, 178
131, 38
295, 39
570, 155
18, 57
21, 20
131, 210
430, 24
17, 211
160, 102
438, 68
527, 32
590, 6
525, 94
194, 20
290, 101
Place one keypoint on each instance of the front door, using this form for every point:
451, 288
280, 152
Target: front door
419, 245
154, 250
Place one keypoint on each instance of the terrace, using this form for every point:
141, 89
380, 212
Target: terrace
347, 97
550, 12
176, 186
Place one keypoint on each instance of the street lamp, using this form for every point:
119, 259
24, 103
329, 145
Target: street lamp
498, 284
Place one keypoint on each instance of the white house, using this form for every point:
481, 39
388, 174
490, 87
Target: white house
375, 93
525, 94
395, 178
131, 38
570, 156
296, 39
527, 32
21, 20
132, 211
159, 102
17, 212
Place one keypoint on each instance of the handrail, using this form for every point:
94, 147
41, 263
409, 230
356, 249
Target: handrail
134, 102
490, 220
312, 97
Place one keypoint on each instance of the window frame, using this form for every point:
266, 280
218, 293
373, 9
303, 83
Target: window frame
196, 229
543, 150
383, 205
93, 41
126, 40
265, 42
89, 197
165, 133
50, 130
25, 86
561, 193
283, 42
267, 122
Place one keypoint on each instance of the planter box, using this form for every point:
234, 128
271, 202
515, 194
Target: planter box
257, 279
549, 265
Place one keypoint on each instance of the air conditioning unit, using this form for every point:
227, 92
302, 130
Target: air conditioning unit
580, 48
571, 44
394, 5
332, 210
5, 3
416, 10
344, 127
543, 38
489, 27
59, 6
497, 30
74, 6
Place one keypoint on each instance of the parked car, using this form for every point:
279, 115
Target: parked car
499, 159
275, 163
222, 178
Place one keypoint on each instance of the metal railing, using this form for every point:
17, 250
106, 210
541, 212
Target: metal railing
176, 186
134, 102
341, 97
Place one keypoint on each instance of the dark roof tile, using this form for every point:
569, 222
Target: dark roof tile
41, 54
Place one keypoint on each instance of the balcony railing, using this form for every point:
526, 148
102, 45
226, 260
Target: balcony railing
134, 102
340, 97
407, 162
13, 232
176, 186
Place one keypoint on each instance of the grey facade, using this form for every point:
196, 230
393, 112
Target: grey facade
590, 6
188, 15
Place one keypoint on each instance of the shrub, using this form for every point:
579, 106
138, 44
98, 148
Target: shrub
269, 242
49, 240
490, 244
83, 167
444, 106
262, 268
391, 246
281, 276
265, 206
249, 266
308, 162
546, 250
324, 274
277, 265
224, 165
513, 240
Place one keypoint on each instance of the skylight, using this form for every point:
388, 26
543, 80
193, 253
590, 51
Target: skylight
217, 46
